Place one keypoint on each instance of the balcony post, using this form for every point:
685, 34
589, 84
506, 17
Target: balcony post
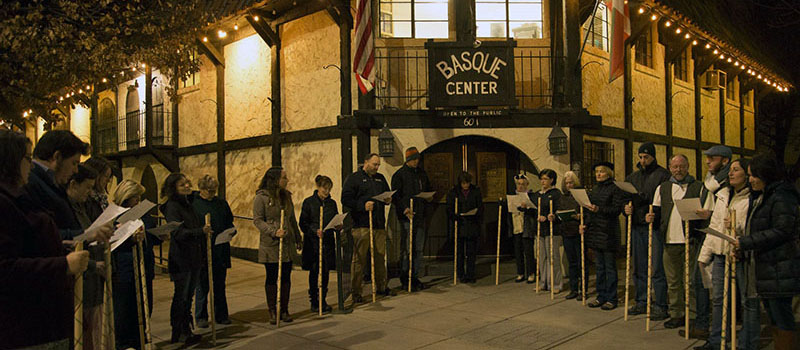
148, 106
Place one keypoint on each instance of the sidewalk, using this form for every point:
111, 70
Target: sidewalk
472, 316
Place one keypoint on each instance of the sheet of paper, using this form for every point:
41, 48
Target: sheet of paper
716, 233
108, 215
136, 212
225, 236
470, 213
517, 200
688, 208
337, 221
581, 197
426, 195
384, 196
626, 186
163, 231
124, 232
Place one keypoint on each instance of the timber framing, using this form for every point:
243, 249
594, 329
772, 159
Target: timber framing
428, 119
307, 135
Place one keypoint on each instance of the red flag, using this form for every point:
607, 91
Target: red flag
620, 31
364, 59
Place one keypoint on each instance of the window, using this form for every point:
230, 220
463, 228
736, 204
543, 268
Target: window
414, 18
644, 49
509, 18
106, 127
158, 111
132, 118
594, 152
730, 90
598, 33
681, 66
746, 98
193, 79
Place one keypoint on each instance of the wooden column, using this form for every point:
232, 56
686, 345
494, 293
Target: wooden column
275, 75
571, 31
628, 100
698, 117
175, 123
221, 176
148, 106
722, 102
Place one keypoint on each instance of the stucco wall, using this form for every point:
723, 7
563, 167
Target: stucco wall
709, 125
600, 97
197, 110
683, 108
243, 171
649, 106
247, 88
304, 161
195, 167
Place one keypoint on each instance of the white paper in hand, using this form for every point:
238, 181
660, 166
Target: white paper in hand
688, 208
163, 231
337, 221
716, 233
626, 186
581, 197
383, 197
136, 212
108, 215
225, 237
426, 195
124, 232
472, 212
517, 200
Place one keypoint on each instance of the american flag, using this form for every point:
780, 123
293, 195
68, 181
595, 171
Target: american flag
364, 60
620, 31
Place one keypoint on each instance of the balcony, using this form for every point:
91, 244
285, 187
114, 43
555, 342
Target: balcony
128, 132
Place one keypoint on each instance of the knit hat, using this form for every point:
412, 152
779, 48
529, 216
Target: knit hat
411, 154
605, 164
648, 148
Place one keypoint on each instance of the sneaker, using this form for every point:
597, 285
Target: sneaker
674, 322
595, 303
520, 278
658, 314
531, 279
225, 321
637, 309
202, 323
608, 306
572, 295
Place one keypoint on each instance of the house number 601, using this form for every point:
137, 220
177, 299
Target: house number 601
471, 121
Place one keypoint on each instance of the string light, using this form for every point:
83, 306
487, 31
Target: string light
667, 23
722, 57
759, 76
742, 67
144, 65
641, 10
205, 39
708, 46
80, 91
677, 31
716, 51
105, 80
255, 18
736, 64
133, 69
687, 36
653, 17
235, 27
694, 42
221, 34
729, 60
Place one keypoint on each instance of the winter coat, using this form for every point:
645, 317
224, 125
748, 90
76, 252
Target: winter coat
186, 242
553, 194
46, 194
469, 227
603, 226
408, 182
221, 220
35, 290
646, 180
309, 224
772, 234
713, 245
358, 189
528, 217
123, 256
267, 218
569, 228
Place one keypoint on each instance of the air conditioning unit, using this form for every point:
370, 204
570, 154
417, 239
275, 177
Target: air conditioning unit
714, 79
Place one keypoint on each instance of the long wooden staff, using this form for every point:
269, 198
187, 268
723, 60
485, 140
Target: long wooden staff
538, 238
628, 264
552, 279
686, 280
137, 277
211, 317
497, 260
372, 257
280, 269
78, 304
649, 268
411, 245
726, 280
319, 277
733, 283
583, 266
455, 246
108, 302
148, 336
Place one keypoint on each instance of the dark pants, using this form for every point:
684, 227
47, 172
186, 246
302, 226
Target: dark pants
606, 277
313, 278
126, 324
572, 248
467, 247
523, 254
271, 285
180, 314
780, 312
702, 297
419, 245
639, 237
220, 300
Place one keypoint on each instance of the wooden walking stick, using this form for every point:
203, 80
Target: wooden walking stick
497, 260
145, 301
411, 245
108, 301
628, 264
372, 257
649, 268
733, 282
211, 317
78, 305
538, 238
686, 281
319, 277
552, 278
455, 246
583, 266
137, 277
280, 269
726, 280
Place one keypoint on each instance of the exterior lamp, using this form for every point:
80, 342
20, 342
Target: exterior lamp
385, 142
557, 141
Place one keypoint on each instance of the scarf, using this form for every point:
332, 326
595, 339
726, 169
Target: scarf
686, 180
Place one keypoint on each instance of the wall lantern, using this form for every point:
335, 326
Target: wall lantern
385, 142
557, 141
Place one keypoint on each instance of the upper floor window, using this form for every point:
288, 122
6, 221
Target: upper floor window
413, 19
644, 48
746, 98
509, 18
730, 89
598, 31
193, 79
681, 66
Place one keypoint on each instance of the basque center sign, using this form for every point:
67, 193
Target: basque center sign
461, 75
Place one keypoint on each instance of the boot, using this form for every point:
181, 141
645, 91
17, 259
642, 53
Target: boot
285, 292
784, 340
325, 307
272, 300
313, 299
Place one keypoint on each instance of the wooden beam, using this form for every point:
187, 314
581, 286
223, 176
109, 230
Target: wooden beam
722, 103
275, 87
296, 12
213, 54
299, 136
675, 51
639, 25
148, 106
221, 174
264, 30
425, 119
641, 136
742, 96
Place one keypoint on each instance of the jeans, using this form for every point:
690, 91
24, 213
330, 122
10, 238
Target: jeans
467, 247
702, 300
572, 248
557, 280
523, 254
639, 237
780, 312
606, 277
220, 301
751, 315
180, 313
419, 244
718, 290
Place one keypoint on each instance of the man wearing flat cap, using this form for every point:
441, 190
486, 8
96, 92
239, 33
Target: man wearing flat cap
646, 179
409, 181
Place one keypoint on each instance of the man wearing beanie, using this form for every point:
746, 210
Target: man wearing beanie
646, 179
409, 181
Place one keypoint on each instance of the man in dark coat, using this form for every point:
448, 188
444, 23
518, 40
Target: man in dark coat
469, 224
409, 181
648, 176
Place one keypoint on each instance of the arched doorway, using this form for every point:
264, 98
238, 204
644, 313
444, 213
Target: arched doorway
132, 118
158, 111
150, 187
493, 164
